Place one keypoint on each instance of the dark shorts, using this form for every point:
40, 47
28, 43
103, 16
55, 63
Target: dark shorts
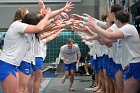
96, 65
38, 63
69, 67
133, 70
100, 62
105, 58
6, 69
92, 62
110, 70
26, 68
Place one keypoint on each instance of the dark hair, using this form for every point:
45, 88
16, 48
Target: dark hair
122, 16
115, 8
70, 40
104, 17
32, 18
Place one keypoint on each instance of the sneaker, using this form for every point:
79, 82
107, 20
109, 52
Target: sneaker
63, 80
91, 86
71, 89
87, 74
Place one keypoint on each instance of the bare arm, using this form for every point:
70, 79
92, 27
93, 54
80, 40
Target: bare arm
53, 36
66, 8
46, 34
107, 34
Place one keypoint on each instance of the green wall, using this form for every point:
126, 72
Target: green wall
53, 48
55, 45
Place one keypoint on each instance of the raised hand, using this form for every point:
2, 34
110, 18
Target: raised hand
76, 16
92, 21
63, 14
87, 15
41, 4
68, 7
47, 12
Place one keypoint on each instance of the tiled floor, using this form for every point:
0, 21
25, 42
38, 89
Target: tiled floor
54, 85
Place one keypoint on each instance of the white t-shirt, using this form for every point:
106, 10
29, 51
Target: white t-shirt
30, 56
117, 55
15, 44
115, 47
69, 53
93, 49
104, 49
130, 45
40, 48
110, 52
91, 45
98, 48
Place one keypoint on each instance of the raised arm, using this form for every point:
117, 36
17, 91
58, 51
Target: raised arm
52, 36
68, 7
41, 25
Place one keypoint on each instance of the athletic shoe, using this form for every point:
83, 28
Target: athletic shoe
63, 79
71, 89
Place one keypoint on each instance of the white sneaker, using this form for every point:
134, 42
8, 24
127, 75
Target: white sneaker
63, 79
71, 89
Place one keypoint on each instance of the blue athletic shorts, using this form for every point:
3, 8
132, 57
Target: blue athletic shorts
100, 62
96, 66
26, 68
110, 70
69, 67
105, 58
38, 63
6, 69
133, 70
118, 67
92, 62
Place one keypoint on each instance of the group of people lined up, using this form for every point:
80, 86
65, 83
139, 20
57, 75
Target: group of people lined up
114, 44
24, 49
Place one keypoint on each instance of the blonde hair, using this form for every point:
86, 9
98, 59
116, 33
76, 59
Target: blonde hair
20, 13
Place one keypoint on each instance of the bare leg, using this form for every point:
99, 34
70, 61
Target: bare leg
119, 82
86, 66
96, 78
10, 84
111, 86
23, 82
65, 76
131, 85
103, 81
31, 83
106, 84
37, 82
97, 82
71, 79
